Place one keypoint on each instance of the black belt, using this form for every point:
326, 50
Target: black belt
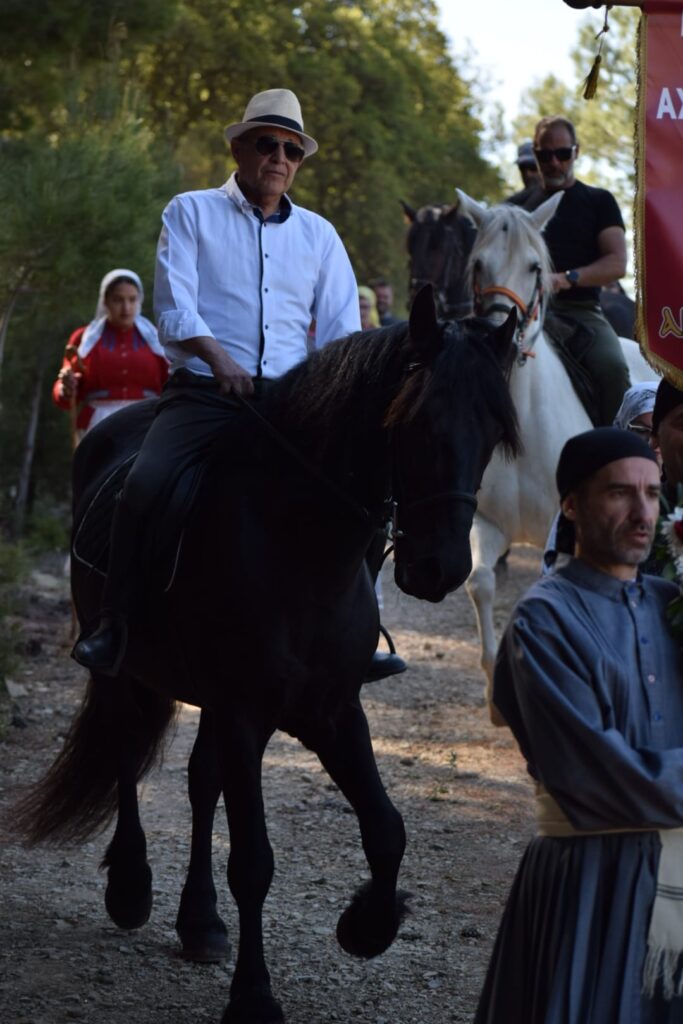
187, 379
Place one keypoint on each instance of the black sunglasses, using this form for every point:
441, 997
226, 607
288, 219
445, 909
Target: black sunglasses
562, 153
266, 145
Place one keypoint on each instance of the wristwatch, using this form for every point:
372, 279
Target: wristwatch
572, 276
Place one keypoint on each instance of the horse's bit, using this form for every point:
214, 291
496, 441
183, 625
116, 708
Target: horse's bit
530, 310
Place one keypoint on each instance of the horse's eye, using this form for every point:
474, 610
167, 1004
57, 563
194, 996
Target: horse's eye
477, 266
535, 267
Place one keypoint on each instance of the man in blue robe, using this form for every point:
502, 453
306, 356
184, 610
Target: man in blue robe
590, 680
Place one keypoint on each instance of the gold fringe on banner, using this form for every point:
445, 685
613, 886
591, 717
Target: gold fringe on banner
590, 85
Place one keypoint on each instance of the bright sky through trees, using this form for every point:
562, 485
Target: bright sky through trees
516, 43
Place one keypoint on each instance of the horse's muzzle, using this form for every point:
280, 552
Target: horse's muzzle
433, 578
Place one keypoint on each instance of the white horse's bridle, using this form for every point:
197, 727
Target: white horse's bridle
530, 310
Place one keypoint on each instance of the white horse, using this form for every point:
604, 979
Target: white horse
509, 265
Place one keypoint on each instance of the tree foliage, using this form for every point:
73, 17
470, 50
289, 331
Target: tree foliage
108, 108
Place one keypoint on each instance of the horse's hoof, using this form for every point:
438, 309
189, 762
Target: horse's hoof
366, 928
128, 897
257, 1006
205, 947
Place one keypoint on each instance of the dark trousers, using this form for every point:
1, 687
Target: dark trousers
604, 358
190, 415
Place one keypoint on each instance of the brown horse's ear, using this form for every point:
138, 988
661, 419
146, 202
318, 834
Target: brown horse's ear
409, 213
502, 337
425, 333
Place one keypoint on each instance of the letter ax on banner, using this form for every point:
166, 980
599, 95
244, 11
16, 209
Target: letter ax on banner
659, 196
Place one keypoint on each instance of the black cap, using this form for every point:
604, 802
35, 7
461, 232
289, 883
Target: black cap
586, 453
525, 155
666, 399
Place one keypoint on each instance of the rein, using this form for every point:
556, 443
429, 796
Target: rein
530, 311
390, 510
358, 510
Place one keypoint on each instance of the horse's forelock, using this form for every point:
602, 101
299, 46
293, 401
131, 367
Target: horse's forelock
512, 232
465, 366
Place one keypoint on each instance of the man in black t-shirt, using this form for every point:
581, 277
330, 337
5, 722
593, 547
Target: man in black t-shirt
587, 245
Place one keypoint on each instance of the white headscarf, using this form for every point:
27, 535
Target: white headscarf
93, 332
638, 400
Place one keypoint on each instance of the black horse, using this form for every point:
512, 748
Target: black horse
439, 243
267, 625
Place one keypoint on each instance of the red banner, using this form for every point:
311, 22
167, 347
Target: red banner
659, 198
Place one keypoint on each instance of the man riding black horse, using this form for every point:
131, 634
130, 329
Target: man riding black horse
241, 273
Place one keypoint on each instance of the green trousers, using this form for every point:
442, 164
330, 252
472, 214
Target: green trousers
603, 359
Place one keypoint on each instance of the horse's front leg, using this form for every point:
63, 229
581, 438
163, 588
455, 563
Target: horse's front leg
201, 931
487, 543
370, 924
241, 744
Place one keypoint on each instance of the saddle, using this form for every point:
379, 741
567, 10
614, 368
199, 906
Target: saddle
95, 508
571, 341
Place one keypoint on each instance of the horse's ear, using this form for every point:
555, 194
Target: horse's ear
546, 211
470, 208
410, 213
501, 339
425, 334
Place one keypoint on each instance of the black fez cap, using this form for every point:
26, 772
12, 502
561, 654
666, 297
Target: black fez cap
586, 453
666, 399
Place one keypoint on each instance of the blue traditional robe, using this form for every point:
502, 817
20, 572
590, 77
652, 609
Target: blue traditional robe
590, 681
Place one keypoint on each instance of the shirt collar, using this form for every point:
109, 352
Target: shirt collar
603, 583
234, 192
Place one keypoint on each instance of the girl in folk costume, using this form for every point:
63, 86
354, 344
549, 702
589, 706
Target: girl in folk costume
116, 359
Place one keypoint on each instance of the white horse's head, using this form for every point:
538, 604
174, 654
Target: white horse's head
509, 264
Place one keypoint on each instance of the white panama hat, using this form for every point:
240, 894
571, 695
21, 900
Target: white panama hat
274, 108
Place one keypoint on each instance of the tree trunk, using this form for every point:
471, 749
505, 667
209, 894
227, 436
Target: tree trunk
6, 314
29, 451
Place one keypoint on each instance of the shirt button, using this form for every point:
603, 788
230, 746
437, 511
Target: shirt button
266, 255
266, 327
657, 717
265, 289
265, 362
644, 640
651, 678
634, 604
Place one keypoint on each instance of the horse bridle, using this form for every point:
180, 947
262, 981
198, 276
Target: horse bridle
398, 533
530, 310
447, 309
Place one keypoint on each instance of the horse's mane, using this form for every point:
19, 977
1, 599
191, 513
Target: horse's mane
511, 229
338, 383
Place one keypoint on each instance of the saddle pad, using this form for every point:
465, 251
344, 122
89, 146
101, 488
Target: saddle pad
90, 545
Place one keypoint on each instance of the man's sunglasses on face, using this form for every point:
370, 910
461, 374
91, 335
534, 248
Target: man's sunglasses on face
562, 153
266, 145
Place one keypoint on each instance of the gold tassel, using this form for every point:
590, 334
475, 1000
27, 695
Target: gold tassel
590, 84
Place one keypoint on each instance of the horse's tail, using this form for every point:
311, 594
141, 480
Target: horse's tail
119, 723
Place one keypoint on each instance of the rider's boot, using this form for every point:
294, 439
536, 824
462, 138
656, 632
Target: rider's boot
385, 664
103, 649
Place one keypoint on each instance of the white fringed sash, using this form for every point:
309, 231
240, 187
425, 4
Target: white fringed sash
664, 955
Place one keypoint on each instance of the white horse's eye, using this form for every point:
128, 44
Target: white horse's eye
535, 267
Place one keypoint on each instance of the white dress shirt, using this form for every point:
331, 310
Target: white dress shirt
253, 285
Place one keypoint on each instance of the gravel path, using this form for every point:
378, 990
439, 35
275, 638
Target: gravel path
459, 783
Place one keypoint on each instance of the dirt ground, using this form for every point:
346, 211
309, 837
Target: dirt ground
459, 783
